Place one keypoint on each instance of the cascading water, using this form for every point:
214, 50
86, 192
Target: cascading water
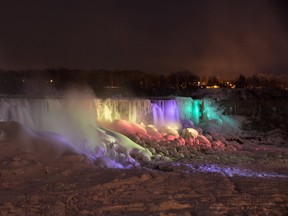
70, 122
155, 111
76, 119
166, 112
189, 109
132, 110
37, 113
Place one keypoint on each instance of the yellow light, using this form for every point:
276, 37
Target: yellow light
51, 81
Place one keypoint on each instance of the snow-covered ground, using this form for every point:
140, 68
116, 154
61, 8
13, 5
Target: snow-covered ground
200, 170
206, 183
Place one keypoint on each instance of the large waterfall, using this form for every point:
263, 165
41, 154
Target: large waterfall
98, 128
39, 113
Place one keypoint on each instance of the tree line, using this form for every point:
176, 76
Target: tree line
116, 83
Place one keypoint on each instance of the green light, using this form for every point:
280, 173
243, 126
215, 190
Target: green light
212, 112
196, 112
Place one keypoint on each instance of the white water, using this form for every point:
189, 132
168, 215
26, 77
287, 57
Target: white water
63, 122
75, 119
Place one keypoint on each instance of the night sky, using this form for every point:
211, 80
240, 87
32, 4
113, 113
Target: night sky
207, 37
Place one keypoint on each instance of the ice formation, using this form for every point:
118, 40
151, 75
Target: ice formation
227, 170
98, 128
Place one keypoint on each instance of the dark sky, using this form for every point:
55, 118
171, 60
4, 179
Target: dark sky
212, 37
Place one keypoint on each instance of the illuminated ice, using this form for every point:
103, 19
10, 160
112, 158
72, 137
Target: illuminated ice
75, 120
229, 171
69, 123
132, 110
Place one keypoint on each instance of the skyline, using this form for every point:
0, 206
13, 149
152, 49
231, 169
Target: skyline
221, 38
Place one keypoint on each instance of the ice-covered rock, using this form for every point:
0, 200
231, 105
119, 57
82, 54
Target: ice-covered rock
187, 123
189, 133
107, 162
204, 141
153, 132
169, 130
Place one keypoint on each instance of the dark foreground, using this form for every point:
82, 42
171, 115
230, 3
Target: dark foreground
72, 186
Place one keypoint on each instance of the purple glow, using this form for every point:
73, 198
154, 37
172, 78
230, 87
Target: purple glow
228, 171
165, 112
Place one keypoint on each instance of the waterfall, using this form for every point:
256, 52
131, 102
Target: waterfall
166, 112
189, 109
78, 118
53, 113
132, 110
75, 119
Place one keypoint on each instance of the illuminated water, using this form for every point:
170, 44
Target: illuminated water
165, 112
32, 112
77, 118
